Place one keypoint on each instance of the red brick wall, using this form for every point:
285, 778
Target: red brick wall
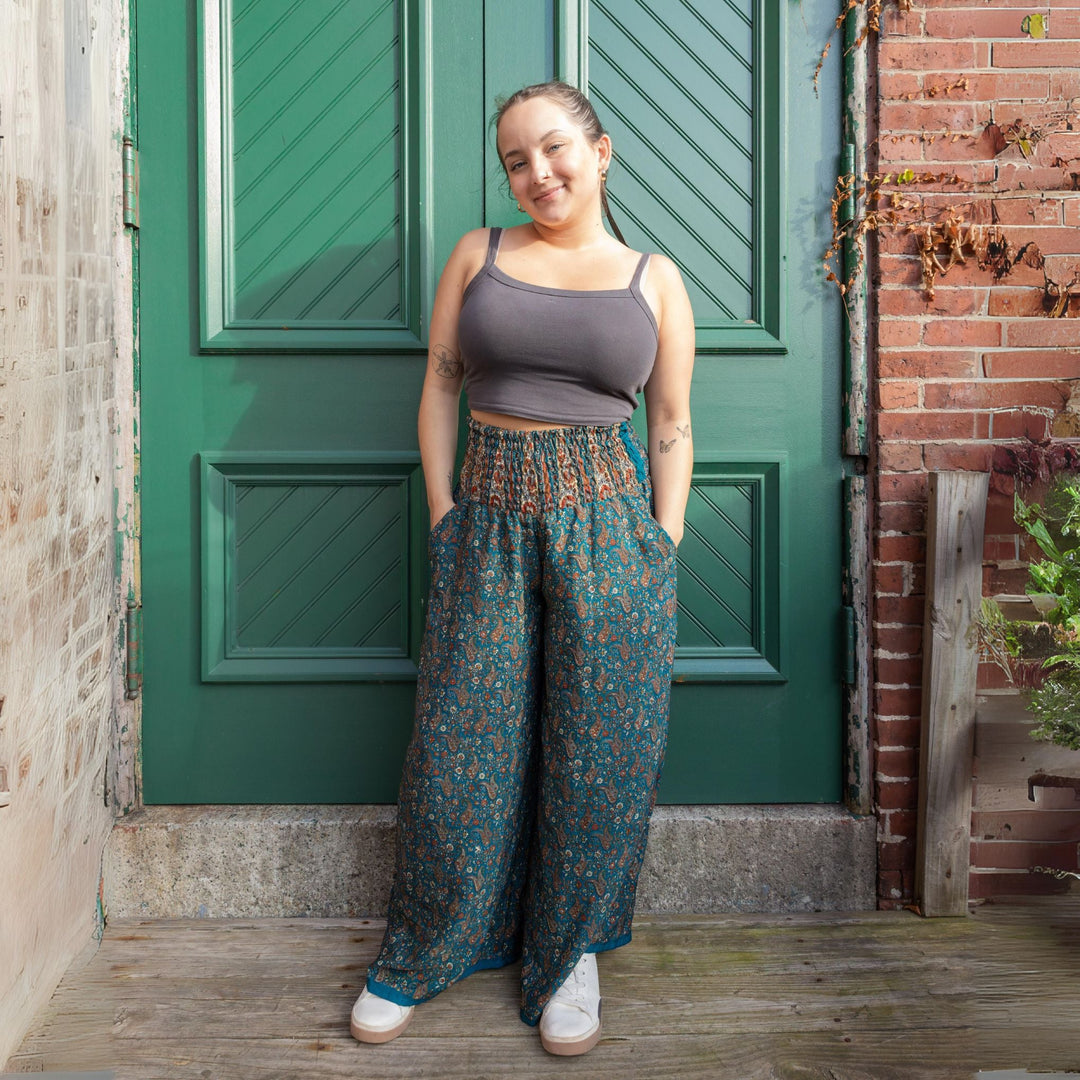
978, 376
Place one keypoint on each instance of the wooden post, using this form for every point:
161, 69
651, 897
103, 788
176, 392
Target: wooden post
954, 547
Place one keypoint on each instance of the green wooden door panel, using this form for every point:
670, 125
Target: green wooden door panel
309, 164
299, 197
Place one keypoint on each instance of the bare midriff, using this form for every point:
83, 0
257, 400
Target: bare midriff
513, 423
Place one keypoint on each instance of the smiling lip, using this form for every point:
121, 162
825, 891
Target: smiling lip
547, 194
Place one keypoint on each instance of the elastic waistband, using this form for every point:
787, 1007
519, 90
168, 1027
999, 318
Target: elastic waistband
532, 472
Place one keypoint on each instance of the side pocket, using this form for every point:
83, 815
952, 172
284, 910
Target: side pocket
443, 526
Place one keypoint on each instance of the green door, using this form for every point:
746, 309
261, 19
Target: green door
305, 171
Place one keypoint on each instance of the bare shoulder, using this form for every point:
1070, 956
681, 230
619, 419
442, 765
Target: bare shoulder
665, 274
466, 259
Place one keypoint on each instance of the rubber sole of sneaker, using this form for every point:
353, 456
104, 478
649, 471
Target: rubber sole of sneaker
365, 1035
572, 1047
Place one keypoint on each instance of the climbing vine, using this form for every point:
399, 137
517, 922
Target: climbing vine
957, 233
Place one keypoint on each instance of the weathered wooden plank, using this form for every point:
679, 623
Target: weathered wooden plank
726, 998
957, 511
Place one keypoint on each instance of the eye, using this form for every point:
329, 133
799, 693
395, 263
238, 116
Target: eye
555, 146
515, 165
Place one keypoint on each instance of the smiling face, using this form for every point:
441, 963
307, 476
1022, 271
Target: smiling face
553, 167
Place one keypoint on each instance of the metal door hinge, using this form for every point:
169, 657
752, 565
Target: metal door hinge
849, 644
131, 183
133, 659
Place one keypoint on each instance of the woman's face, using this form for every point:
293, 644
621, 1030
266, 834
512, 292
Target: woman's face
553, 168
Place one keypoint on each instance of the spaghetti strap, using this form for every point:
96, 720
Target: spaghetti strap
494, 239
635, 283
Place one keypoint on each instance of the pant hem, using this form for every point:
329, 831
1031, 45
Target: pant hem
603, 946
383, 990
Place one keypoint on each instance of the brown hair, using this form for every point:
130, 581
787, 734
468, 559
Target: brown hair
579, 108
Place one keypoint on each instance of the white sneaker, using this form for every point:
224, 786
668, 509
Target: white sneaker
376, 1020
570, 1022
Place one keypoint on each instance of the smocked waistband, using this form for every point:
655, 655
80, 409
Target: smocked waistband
532, 472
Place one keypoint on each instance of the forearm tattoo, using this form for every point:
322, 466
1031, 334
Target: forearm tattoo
667, 444
446, 363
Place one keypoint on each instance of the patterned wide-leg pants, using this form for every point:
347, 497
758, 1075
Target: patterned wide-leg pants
541, 715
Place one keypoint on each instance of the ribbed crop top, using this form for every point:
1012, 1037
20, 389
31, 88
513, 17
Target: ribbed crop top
568, 356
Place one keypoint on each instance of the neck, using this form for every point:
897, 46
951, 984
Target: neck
572, 236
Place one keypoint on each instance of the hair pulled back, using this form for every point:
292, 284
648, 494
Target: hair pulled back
579, 108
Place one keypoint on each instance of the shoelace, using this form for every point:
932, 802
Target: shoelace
573, 991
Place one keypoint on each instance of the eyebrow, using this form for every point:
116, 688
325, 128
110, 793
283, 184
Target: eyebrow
543, 138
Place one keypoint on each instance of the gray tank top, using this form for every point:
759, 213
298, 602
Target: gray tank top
569, 356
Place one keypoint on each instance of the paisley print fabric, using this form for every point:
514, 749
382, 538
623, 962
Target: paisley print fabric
541, 715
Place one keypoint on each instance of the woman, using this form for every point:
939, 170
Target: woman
545, 671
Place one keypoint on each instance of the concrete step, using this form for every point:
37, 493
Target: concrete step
337, 861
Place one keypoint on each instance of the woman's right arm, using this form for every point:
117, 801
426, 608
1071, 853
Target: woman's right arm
437, 422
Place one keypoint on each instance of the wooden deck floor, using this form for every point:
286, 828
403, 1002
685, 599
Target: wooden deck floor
875, 995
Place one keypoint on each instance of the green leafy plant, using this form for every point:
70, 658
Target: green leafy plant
1055, 527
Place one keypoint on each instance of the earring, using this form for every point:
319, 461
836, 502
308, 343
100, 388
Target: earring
521, 209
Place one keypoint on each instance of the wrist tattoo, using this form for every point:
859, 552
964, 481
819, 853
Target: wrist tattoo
683, 431
446, 363
666, 446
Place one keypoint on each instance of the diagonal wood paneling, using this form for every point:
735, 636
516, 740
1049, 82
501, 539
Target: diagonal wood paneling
682, 89
731, 600
309, 161
308, 567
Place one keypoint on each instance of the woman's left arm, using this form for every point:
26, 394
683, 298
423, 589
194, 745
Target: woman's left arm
667, 399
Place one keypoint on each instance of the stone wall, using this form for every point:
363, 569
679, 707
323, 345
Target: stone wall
979, 149
65, 421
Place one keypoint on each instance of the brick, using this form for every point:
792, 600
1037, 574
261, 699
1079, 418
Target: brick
962, 332
1064, 84
894, 332
898, 672
1032, 54
995, 395
898, 23
979, 22
889, 549
1042, 333
1070, 212
935, 55
899, 609
897, 269
889, 884
897, 639
996, 86
999, 514
899, 795
890, 579
922, 116
924, 425
900, 487
1017, 303
1020, 424
1013, 175
1029, 210
894, 85
902, 517
946, 301
897, 730
896, 855
901, 457
927, 363
898, 393
1034, 363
